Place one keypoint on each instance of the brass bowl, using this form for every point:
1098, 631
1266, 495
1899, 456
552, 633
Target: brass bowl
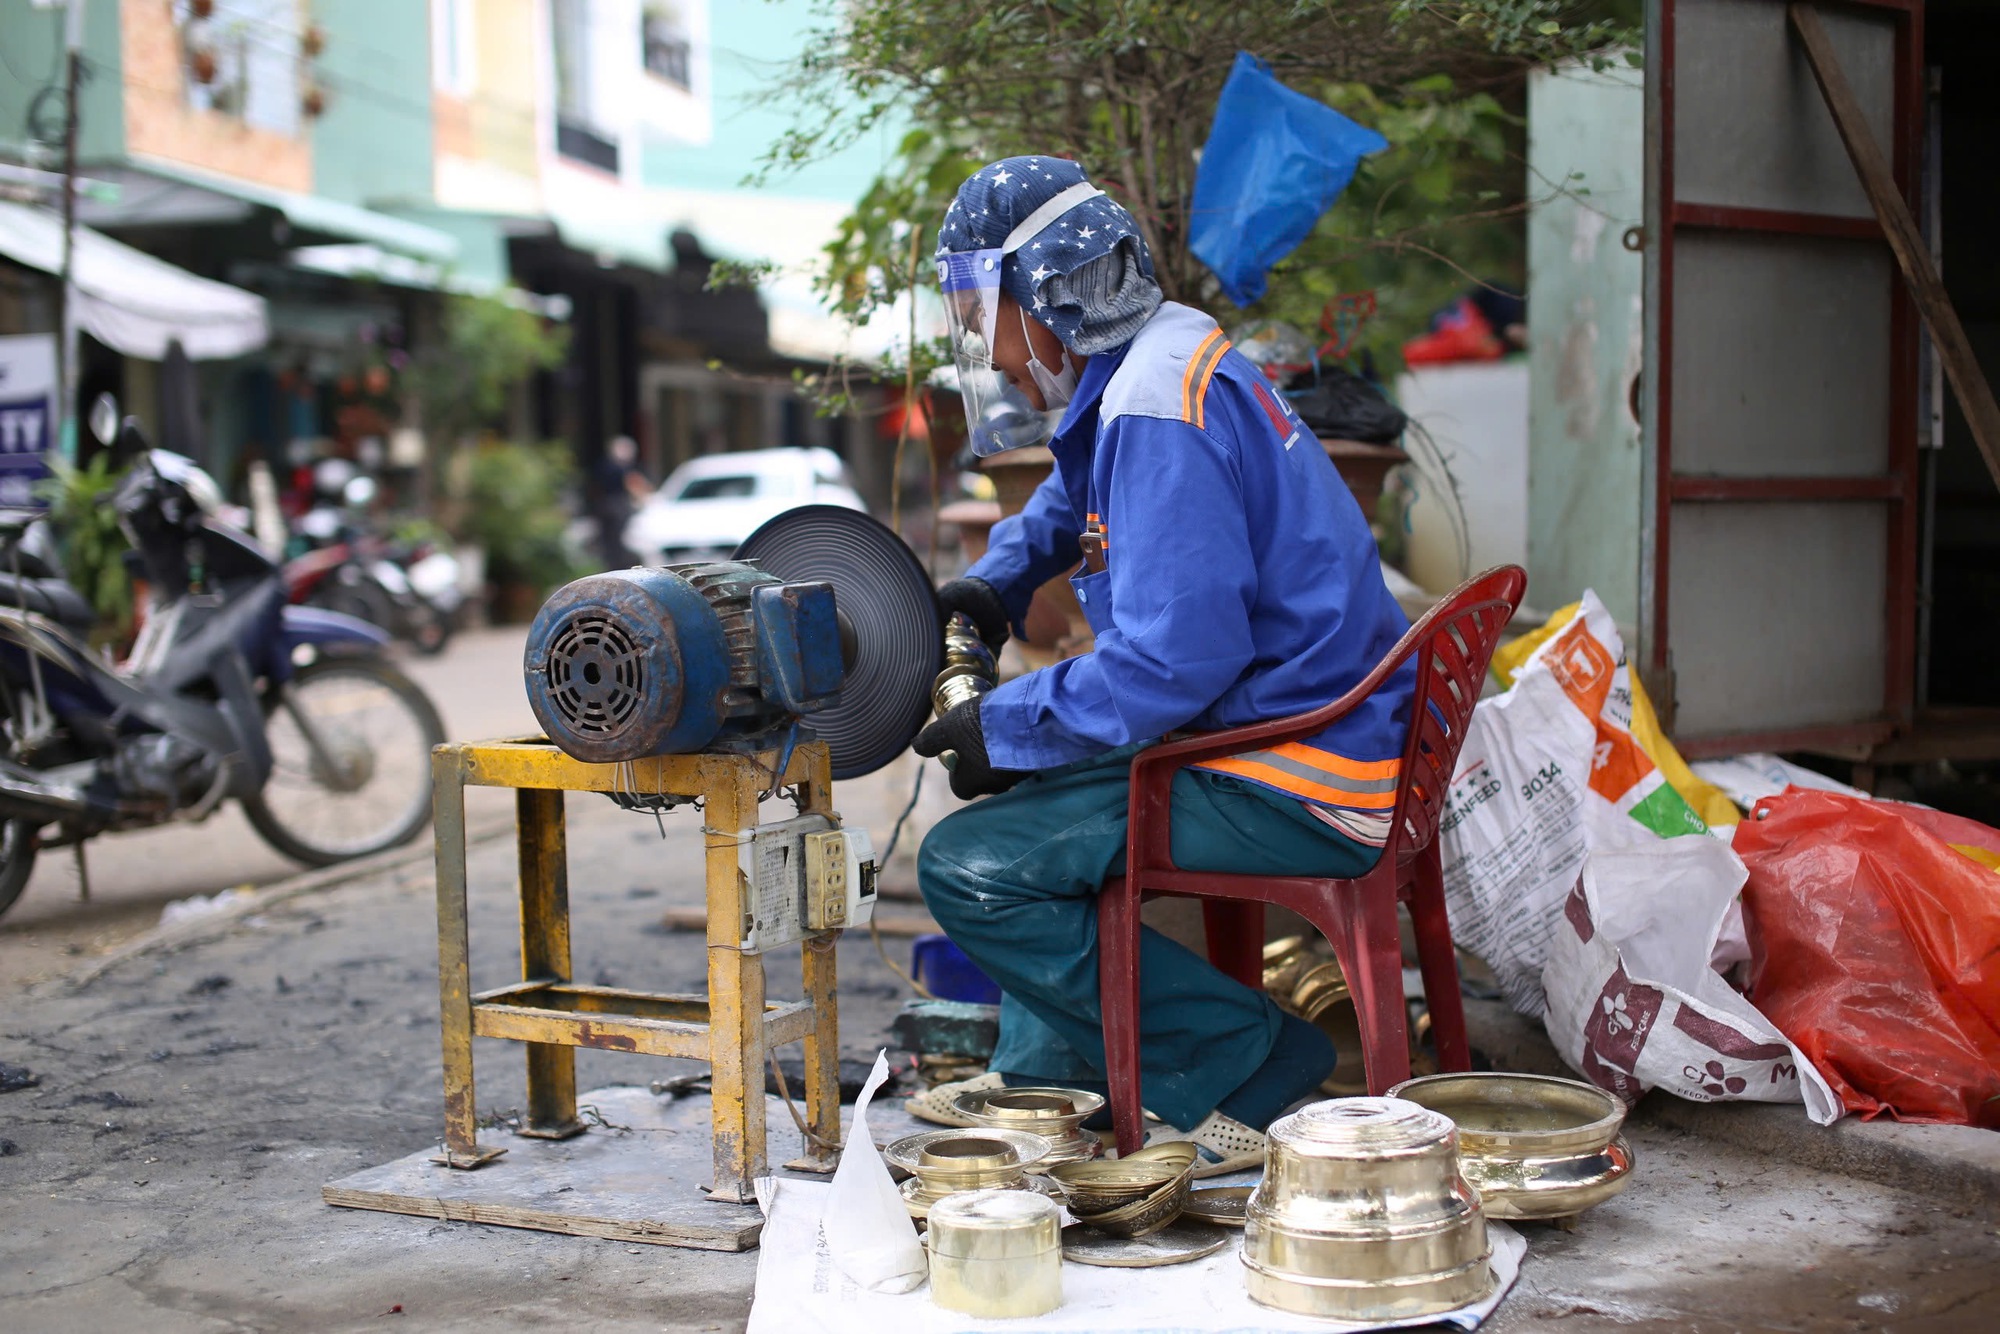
1097, 1187
1531, 1145
1056, 1114
918, 1198
1362, 1215
966, 1159
1158, 1208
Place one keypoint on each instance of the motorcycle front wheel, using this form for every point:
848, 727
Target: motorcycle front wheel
351, 743
19, 841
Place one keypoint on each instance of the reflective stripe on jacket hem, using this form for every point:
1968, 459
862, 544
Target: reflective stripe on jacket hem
1316, 775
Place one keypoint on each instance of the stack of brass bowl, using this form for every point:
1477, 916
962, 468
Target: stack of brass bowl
1134, 1196
1056, 1114
1362, 1215
1532, 1146
1315, 990
950, 1162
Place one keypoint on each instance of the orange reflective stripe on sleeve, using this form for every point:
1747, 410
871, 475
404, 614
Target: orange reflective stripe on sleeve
1200, 366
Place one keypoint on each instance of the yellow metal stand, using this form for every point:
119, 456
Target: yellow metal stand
732, 1027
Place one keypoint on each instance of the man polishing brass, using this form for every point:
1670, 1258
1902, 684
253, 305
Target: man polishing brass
1229, 577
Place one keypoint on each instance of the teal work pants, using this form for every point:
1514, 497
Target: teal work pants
1013, 880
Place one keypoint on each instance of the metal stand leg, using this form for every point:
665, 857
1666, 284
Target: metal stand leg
545, 955
822, 1045
735, 993
461, 1116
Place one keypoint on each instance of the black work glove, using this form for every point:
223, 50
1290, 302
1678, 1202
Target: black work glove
979, 601
972, 774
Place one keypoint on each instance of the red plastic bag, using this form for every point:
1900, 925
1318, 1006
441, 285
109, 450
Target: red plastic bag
1875, 947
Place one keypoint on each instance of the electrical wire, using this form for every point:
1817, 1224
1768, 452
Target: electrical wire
874, 927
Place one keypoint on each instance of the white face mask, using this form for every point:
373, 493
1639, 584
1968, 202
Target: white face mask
1057, 389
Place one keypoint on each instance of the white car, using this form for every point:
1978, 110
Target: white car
710, 504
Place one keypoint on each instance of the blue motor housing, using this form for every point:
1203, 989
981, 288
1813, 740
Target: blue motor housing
640, 662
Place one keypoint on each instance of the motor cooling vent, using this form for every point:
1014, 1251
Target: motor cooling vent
596, 676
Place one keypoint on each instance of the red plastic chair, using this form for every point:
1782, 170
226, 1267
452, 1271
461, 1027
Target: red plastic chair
1452, 644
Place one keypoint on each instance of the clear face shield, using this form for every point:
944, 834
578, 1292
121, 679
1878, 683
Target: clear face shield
998, 416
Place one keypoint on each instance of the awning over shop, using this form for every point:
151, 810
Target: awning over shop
132, 302
158, 193
377, 265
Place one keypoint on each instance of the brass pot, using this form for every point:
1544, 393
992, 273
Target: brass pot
1533, 1146
996, 1253
1056, 1114
1321, 997
1362, 1215
952, 1162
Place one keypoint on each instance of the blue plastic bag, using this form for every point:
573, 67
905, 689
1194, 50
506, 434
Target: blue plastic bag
1274, 162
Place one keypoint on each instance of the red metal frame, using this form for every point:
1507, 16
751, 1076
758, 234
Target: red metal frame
1897, 489
1788, 488
1725, 217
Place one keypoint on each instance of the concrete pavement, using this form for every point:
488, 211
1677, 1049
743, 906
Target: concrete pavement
165, 1172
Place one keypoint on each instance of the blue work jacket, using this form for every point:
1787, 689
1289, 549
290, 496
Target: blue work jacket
1241, 582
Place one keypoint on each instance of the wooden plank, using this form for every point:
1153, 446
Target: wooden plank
637, 1179
1975, 395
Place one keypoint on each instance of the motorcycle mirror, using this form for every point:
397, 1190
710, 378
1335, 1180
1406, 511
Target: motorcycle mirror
359, 493
104, 419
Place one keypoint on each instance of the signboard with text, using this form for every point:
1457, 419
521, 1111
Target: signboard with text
27, 416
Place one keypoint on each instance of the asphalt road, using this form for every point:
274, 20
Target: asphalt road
476, 685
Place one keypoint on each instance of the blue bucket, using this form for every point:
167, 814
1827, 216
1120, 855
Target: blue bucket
947, 974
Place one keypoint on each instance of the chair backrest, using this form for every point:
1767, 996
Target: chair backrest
1453, 645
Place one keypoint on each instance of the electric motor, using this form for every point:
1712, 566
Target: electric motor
825, 622
641, 662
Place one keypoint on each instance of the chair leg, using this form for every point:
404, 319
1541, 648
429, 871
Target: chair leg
1235, 933
1370, 950
1439, 963
1118, 1002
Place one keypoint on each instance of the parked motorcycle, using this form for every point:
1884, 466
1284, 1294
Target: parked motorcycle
410, 591
229, 694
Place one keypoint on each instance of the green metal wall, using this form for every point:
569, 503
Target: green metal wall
373, 145
31, 56
1585, 325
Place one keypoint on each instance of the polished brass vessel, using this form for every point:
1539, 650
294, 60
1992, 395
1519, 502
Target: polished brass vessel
1056, 1114
1134, 1196
1316, 991
1362, 1215
1531, 1145
969, 668
996, 1254
943, 1163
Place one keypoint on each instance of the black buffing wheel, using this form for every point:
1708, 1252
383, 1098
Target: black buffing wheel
888, 606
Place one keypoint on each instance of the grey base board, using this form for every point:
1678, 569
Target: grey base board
637, 1177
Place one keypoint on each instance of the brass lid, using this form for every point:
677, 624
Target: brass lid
1363, 1128
994, 1225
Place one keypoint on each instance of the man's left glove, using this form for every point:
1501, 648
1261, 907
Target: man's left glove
972, 774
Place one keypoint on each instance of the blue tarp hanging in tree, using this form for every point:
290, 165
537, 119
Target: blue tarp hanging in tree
1274, 162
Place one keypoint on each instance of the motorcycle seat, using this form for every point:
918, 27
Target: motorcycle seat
52, 598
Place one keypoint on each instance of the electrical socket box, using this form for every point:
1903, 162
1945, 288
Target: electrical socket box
805, 876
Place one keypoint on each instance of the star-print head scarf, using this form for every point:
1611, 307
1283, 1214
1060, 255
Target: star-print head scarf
1073, 257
